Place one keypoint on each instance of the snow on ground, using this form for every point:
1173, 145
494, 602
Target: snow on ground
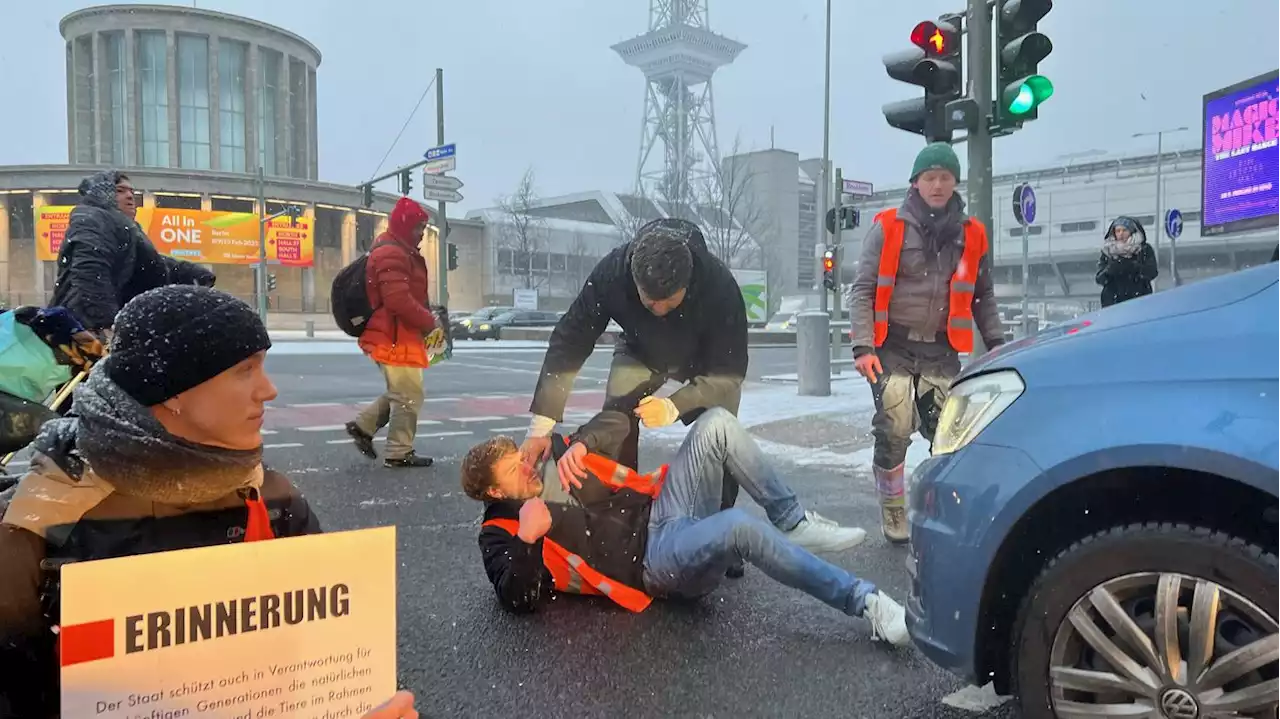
294, 342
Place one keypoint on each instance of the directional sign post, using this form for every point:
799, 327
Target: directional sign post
1024, 209
439, 195
441, 159
441, 188
1173, 228
858, 188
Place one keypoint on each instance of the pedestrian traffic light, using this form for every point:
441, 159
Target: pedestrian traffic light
1020, 89
453, 256
935, 65
406, 182
271, 282
850, 218
829, 270
366, 195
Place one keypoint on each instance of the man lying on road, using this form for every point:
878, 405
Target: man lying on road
587, 525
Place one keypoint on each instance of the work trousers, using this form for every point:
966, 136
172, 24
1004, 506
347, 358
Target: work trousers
397, 407
909, 393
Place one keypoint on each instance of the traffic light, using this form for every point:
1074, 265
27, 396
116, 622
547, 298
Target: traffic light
271, 282
850, 218
933, 64
366, 195
406, 182
1020, 89
453, 256
829, 270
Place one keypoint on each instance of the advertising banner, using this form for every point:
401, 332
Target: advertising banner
296, 627
1241, 157
213, 237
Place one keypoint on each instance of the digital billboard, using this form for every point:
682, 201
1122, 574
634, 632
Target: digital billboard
1240, 189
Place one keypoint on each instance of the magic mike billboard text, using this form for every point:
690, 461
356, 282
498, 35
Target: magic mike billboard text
1241, 158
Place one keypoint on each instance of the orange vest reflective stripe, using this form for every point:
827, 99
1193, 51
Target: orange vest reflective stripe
619, 476
572, 575
960, 314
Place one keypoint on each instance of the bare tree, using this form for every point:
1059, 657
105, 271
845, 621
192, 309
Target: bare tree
578, 262
523, 233
734, 220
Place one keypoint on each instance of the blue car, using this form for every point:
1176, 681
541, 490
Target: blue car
1096, 530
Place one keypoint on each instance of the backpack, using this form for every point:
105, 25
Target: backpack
349, 297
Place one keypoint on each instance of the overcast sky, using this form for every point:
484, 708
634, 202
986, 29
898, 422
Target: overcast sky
534, 83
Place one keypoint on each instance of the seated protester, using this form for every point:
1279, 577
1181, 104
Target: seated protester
162, 451
603, 529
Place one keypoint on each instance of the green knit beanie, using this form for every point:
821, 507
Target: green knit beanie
937, 156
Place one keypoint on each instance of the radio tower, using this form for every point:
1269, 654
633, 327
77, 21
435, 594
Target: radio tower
678, 56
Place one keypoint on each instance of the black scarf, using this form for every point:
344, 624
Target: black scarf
128, 448
939, 227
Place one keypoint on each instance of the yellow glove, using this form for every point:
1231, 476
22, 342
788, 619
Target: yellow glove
657, 411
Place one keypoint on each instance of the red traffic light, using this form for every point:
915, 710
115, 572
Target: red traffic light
828, 262
936, 40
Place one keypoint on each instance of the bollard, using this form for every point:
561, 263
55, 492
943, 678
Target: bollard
813, 353
311, 328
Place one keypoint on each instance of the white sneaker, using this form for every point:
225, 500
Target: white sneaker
821, 535
888, 619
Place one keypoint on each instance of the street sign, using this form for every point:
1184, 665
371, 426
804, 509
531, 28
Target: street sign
858, 188
441, 182
441, 159
1024, 204
1173, 224
439, 195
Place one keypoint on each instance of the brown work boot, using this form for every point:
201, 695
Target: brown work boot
891, 490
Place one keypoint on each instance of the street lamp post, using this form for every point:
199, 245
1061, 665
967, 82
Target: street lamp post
824, 179
1159, 220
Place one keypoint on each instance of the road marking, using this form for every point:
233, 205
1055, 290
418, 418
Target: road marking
496, 430
441, 399
317, 404
445, 434
975, 699
426, 422
323, 428
286, 445
494, 396
489, 418
269, 431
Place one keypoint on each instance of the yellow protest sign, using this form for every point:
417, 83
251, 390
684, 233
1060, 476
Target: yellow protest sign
294, 627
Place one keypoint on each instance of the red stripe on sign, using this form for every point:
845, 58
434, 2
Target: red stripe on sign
87, 642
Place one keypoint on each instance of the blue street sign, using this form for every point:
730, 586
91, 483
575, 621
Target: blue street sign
1027, 200
442, 152
1173, 224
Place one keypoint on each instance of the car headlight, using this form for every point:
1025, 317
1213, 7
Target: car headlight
484, 326
466, 323
972, 405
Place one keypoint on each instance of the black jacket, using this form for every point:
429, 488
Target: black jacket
1124, 278
608, 528
50, 524
703, 342
106, 259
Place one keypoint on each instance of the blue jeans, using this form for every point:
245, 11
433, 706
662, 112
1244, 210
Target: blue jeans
692, 543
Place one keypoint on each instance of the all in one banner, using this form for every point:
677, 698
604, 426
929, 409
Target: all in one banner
217, 238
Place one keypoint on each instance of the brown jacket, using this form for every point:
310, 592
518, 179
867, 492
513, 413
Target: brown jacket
921, 295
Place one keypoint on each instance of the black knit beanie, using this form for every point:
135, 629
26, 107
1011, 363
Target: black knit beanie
171, 339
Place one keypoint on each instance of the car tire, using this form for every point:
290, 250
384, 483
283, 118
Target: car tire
1231, 562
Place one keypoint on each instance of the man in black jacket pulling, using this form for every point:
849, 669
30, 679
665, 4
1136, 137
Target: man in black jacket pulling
682, 317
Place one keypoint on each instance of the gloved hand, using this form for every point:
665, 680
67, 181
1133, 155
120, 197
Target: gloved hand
657, 411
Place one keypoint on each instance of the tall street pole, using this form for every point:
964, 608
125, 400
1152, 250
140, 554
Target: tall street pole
1159, 219
979, 138
824, 177
442, 245
260, 281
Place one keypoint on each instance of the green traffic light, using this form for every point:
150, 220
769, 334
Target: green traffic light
1028, 94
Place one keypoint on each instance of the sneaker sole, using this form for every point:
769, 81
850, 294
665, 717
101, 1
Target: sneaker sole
838, 547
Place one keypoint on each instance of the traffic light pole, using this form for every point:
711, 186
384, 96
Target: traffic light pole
823, 185
442, 250
836, 238
979, 137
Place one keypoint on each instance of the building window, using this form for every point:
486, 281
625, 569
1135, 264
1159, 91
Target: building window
114, 45
193, 102
231, 112
86, 127
297, 118
1085, 226
1032, 231
152, 71
269, 82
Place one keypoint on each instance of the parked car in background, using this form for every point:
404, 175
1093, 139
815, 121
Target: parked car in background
1096, 530
490, 329
461, 327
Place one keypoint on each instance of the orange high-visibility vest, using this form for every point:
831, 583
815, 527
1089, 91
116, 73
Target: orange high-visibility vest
960, 316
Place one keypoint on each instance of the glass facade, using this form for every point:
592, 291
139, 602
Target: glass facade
193, 102
153, 61
231, 109
268, 104
116, 100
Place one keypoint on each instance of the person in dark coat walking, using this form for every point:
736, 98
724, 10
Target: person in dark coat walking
162, 451
106, 259
1127, 265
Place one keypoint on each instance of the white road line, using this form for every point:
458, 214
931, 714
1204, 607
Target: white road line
465, 420
426, 422
269, 431
316, 404
496, 430
493, 396
323, 428
441, 399
286, 445
445, 434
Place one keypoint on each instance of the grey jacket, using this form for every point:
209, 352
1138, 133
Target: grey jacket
921, 295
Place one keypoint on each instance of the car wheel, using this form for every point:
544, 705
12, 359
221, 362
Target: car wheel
1150, 620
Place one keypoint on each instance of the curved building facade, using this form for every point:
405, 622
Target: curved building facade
185, 88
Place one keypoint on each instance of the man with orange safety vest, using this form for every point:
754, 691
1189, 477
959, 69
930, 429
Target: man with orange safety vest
585, 524
923, 283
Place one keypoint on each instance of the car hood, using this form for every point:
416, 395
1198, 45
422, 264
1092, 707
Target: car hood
1198, 297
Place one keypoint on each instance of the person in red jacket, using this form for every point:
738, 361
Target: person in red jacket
395, 335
